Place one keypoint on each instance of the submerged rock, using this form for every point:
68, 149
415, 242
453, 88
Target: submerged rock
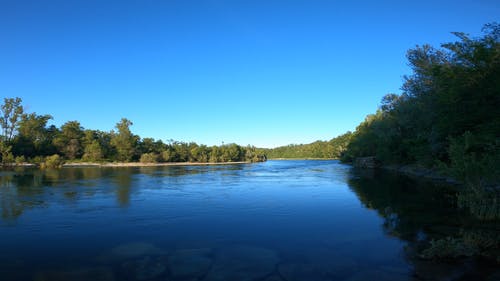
242, 263
130, 251
377, 275
79, 274
189, 263
374, 251
145, 268
330, 263
273, 278
302, 272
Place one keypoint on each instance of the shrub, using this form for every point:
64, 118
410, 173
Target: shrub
482, 203
149, 158
20, 160
54, 161
448, 248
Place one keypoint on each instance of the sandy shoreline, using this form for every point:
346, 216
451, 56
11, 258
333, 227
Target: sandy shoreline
125, 164
139, 164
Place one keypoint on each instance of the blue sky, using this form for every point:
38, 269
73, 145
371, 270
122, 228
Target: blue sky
266, 73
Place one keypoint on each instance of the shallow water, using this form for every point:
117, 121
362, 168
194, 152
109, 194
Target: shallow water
278, 220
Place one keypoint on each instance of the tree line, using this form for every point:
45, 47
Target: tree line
27, 137
332, 149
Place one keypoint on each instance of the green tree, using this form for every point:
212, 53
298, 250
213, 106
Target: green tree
148, 145
199, 153
12, 111
34, 137
69, 140
215, 154
231, 153
92, 148
124, 141
6, 153
93, 151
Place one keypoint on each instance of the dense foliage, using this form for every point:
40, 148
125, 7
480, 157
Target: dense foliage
331, 149
27, 137
448, 114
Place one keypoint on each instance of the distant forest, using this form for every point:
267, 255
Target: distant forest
332, 149
27, 138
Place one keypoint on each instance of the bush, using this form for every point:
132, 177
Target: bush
37, 160
54, 161
469, 243
149, 158
475, 160
20, 160
167, 156
448, 248
6, 153
482, 203
93, 152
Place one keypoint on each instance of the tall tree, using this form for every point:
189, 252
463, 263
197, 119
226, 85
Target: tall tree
33, 138
12, 111
92, 149
69, 140
124, 141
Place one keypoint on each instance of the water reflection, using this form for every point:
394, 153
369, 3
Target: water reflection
18, 192
419, 212
282, 221
25, 188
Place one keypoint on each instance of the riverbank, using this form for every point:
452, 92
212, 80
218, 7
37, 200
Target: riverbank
126, 164
421, 172
286, 159
139, 164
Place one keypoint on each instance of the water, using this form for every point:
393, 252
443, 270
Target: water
278, 220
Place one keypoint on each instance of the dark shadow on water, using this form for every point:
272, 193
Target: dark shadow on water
418, 212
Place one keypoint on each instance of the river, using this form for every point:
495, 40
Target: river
272, 221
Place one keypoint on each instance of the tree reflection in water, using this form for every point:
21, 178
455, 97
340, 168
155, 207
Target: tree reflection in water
442, 240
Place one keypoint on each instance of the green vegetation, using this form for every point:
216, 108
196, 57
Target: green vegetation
446, 118
332, 149
447, 115
26, 137
51, 162
426, 215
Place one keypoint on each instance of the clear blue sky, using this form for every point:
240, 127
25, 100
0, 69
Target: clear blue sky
266, 73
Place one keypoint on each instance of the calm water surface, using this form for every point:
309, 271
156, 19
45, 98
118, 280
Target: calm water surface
279, 220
